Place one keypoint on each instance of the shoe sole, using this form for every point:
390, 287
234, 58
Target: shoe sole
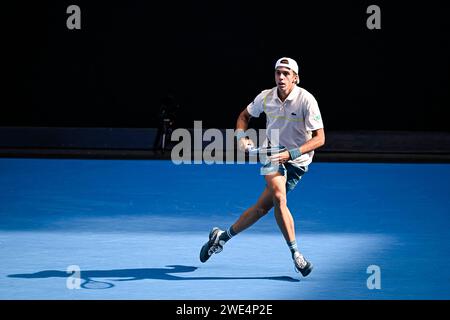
309, 267
204, 251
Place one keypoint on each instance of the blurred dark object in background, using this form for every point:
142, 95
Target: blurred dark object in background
166, 122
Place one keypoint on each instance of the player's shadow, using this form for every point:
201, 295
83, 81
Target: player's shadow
88, 282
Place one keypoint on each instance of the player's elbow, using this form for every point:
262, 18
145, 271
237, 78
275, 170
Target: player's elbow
244, 116
320, 138
322, 141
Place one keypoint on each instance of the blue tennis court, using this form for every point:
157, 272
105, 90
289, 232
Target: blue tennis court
135, 228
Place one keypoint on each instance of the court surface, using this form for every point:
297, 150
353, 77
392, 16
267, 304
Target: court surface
135, 228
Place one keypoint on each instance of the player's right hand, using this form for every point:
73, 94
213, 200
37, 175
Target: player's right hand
245, 144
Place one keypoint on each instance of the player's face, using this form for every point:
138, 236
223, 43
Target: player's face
285, 79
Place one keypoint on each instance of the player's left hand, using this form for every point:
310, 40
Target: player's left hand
281, 157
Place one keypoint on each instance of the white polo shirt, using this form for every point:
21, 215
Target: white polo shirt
295, 118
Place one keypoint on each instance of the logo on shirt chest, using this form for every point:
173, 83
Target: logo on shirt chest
283, 113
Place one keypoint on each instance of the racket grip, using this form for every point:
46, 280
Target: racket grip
249, 147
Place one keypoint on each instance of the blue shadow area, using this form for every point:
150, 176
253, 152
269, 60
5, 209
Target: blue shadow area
137, 274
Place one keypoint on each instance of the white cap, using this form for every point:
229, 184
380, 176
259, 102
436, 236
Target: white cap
288, 63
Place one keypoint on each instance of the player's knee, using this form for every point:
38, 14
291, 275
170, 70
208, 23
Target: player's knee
279, 199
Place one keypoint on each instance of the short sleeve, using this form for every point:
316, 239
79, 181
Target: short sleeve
255, 108
313, 118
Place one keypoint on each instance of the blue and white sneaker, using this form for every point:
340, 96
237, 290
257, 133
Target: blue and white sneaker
214, 245
301, 264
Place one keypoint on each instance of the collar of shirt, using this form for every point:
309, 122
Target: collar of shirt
292, 95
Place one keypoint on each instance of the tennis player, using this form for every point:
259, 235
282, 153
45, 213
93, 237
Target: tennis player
294, 113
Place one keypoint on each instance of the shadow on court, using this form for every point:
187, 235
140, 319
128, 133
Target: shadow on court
134, 274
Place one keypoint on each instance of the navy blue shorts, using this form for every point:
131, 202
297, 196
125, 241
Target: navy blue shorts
292, 173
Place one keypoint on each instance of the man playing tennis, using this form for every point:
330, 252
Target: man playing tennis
294, 114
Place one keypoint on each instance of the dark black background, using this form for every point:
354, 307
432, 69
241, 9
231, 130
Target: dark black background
216, 56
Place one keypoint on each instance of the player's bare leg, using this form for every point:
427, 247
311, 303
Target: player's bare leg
255, 212
277, 184
217, 237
